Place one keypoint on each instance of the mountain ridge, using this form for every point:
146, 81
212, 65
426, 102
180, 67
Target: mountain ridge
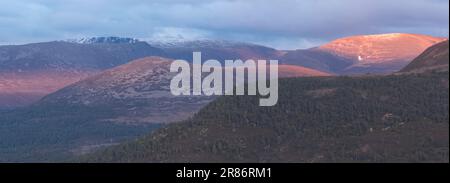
103, 40
89, 56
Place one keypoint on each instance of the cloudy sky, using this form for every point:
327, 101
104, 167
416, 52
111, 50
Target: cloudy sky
284, 24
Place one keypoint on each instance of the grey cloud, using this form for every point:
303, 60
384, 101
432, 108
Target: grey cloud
282, 24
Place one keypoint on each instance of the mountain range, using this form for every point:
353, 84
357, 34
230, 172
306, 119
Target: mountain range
29, 72
34, 70
373, 118
81, 95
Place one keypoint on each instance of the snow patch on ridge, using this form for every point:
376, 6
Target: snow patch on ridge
97, 40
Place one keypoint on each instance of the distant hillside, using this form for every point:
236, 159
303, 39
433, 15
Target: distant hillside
434, 58
22, 89
315, 59
216, 49
379, 53
397, 118
288, 71
137, 92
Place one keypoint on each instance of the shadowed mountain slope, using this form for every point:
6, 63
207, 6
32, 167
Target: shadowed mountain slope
434, 58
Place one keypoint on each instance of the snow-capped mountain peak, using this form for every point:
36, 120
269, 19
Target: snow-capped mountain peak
99, 40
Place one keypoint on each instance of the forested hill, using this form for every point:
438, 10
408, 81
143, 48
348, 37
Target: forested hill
403, 118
